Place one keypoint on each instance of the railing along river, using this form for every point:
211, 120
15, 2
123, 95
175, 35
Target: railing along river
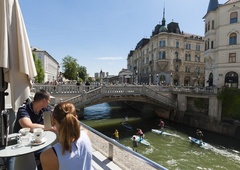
121, 155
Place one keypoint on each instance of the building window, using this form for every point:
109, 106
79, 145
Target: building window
205, 27
197, 70
162, 55
206, 45
187, 69
212, 24
176, 55
208, 25
188, 46
212, 44
232, 58
197, 58
233, 39
162, 43
197, 47
187, 57
177, 44
233, 17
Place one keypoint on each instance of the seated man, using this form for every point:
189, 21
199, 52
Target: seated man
31, 115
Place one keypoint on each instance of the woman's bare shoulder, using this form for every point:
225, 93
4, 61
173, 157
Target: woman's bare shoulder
49, 160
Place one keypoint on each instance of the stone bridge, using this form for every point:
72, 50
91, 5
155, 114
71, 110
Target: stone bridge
123, 93
167, 97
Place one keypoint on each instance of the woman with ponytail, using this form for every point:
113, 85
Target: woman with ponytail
74, 149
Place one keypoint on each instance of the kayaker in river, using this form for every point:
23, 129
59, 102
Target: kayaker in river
140, 133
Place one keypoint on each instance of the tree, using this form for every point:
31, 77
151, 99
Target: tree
90, 79
82, 73
230, 103
39, 68
97, 79
70, 67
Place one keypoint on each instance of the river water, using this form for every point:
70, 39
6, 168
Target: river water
173, 152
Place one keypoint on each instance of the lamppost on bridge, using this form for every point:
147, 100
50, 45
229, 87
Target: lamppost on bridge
157, 80
101, 77
149, 79
136, 77
171, 79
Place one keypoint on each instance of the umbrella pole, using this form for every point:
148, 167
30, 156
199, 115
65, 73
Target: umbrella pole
4, 114
2, 90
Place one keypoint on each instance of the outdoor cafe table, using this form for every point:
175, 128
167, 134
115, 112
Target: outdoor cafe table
14, 150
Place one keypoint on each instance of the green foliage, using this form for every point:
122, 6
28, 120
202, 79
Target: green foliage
70, 67
39, 68
97, 79
80, 80
90, 79
201, 104
82, 72
231, 103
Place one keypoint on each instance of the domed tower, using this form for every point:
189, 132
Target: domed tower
163, 27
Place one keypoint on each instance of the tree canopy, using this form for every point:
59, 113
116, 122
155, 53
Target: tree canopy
82, 73
39, 68
230, 98
70, 67
72, 70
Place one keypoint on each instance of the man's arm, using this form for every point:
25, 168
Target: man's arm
26, 122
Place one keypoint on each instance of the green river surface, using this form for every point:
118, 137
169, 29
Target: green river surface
173, 152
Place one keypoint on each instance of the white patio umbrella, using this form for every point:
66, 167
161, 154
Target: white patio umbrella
16, 60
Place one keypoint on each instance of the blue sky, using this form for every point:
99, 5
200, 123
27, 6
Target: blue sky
100, 33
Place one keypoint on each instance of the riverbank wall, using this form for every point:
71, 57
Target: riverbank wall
229, 128
193, 118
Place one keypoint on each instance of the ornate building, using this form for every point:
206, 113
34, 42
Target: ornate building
50, 65
222, 54
168, 57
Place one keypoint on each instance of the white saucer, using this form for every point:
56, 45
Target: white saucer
39, 143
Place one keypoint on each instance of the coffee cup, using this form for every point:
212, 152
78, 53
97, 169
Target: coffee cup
38, 135
24, 131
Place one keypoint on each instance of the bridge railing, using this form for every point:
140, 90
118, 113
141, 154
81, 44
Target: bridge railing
75, 89
160, 97
120, 91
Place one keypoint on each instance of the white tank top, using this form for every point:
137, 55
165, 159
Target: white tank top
79, 158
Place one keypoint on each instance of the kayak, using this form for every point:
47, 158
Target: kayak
142, 141
127, 126
200, 143
162, 132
